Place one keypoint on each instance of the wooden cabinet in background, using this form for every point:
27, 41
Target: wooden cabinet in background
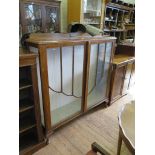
30, 129
39, 16
122, 76
120, 21
125, 49
86, 12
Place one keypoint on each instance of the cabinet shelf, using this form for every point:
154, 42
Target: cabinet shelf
26, 124
110, 20
89, 11
25, 104
114, 30
129, 37
118, 6
27, 140
24, 83
92, 23
94, 16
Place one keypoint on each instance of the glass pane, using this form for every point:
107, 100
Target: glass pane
51, 19
65, 73
78, 69
67, 55
107, 67
92, 11
35, 50
33, 17
95, 83
93, 67
98, 80
127, 80
54, 79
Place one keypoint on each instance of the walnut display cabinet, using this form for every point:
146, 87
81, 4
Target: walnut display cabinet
30, 129
75, 74
86, 12
39, 16
122, 76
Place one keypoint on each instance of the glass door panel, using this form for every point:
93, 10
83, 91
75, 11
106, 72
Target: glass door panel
107, 64
100, 55
33, 17
127, 80
52, 23
65, 75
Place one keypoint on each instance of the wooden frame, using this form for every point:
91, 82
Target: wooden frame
42, 45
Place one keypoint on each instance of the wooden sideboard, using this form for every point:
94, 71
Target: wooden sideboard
31, 136
122, 76
74, 72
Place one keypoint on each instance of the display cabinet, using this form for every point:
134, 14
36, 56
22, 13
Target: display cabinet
31, 136
120, 21
75, 73
122, 76
86, 12
39, 16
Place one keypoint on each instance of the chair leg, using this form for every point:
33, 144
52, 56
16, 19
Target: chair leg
119, 144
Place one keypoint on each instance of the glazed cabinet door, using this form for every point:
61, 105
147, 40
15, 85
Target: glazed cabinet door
52, 17
65, 66
118, 82
128, 80
31, 17
39, 16
100, 55
132, 79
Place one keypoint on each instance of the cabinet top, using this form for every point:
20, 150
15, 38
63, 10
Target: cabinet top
120, 59
48, 38
23, 53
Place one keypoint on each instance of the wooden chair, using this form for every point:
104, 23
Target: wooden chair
97, 148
